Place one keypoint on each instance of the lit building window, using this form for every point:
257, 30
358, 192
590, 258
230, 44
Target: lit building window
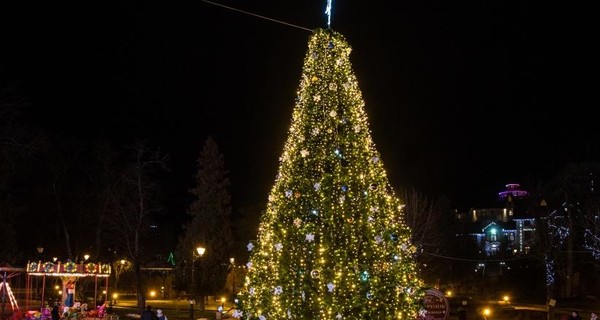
493, 235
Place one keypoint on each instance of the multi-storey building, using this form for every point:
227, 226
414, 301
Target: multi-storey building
501, 230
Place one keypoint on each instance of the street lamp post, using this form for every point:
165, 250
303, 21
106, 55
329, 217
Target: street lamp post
191, 308
198, 252
232, 265
40, 251
120, 267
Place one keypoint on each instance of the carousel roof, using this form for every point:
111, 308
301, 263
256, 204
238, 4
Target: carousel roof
68, 269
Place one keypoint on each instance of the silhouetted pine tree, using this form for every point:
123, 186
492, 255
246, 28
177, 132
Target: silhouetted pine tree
209, 227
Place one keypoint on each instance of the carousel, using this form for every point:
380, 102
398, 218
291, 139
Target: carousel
68, 273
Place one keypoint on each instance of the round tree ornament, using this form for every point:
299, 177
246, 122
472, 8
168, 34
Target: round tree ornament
315, 274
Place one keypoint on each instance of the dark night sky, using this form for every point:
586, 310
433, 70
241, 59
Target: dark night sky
462, 97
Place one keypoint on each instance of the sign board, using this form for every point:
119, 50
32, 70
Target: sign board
436, 306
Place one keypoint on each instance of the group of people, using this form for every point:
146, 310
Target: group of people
575, 316
148, 314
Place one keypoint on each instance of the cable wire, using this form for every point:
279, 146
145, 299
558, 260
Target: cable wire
259, 16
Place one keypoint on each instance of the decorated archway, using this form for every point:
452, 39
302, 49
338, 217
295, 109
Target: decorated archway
68, 272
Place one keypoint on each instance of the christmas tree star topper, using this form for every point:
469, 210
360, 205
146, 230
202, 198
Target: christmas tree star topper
328, 13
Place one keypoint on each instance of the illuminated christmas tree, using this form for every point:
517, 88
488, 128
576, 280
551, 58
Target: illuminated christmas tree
332, 243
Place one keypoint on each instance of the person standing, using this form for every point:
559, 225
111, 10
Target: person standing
148, 314
575, 316
593, 316
462, 313
160, 315
54, 312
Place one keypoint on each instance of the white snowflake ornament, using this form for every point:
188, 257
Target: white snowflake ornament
279, 246
278, 290
304, 153
237, 314
330, 287
250, 246
310, 237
